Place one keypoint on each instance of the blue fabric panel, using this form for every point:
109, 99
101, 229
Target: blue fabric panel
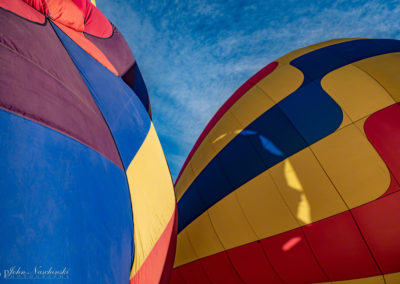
304, 117
240, 151
275, 137
192, 206
312, 111
63, 205
140, 88
214, 185
124, 113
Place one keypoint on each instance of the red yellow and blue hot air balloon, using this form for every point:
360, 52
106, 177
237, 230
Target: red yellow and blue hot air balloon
296, 179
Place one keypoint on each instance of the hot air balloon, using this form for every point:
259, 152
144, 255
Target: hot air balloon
86, 194
296, 177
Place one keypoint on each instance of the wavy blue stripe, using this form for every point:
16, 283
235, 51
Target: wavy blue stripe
63, 205
123, 111
304, 117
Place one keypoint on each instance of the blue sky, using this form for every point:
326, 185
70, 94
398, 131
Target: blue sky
194, 54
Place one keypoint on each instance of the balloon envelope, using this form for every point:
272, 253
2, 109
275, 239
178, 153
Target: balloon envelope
296, 177
85, 191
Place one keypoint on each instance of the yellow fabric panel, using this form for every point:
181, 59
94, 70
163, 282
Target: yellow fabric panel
357, 93
264, 207
306, 188
360, 124
93, 2
345, 121
353, 165
230, 224
184, 250
184, 181
224, 131
250, 106
385, 69
202, 236
283, 81
152, 196
203, 155
393, 278
299, 52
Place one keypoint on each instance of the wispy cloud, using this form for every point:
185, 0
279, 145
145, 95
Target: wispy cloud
194, 54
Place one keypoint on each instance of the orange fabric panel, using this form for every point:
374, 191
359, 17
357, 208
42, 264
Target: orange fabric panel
67, 14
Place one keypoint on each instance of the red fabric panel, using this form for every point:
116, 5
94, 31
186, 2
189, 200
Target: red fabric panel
169, 262
96, 23
193, 273
393, 187
340, 248
292, 259
379, 222
383, 131
176, 277
22, 9
39, 5
152, 269
219, 269
224, 108
252, 265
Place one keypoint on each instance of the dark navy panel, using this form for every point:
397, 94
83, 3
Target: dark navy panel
63, 205
304, 117
312, 111
214, 185
191, 207
134, 79
320, 62
275, 137
124, 113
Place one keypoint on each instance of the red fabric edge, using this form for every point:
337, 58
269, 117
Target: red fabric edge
264, 72
158, 264
24, 10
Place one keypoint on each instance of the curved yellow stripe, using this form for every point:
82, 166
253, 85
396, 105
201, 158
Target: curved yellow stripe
152, 196
385, 69
93, 2
184, 250
202, 236
356, 91
353, 165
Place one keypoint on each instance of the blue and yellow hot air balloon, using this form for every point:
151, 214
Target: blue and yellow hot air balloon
85, 192
296, 179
